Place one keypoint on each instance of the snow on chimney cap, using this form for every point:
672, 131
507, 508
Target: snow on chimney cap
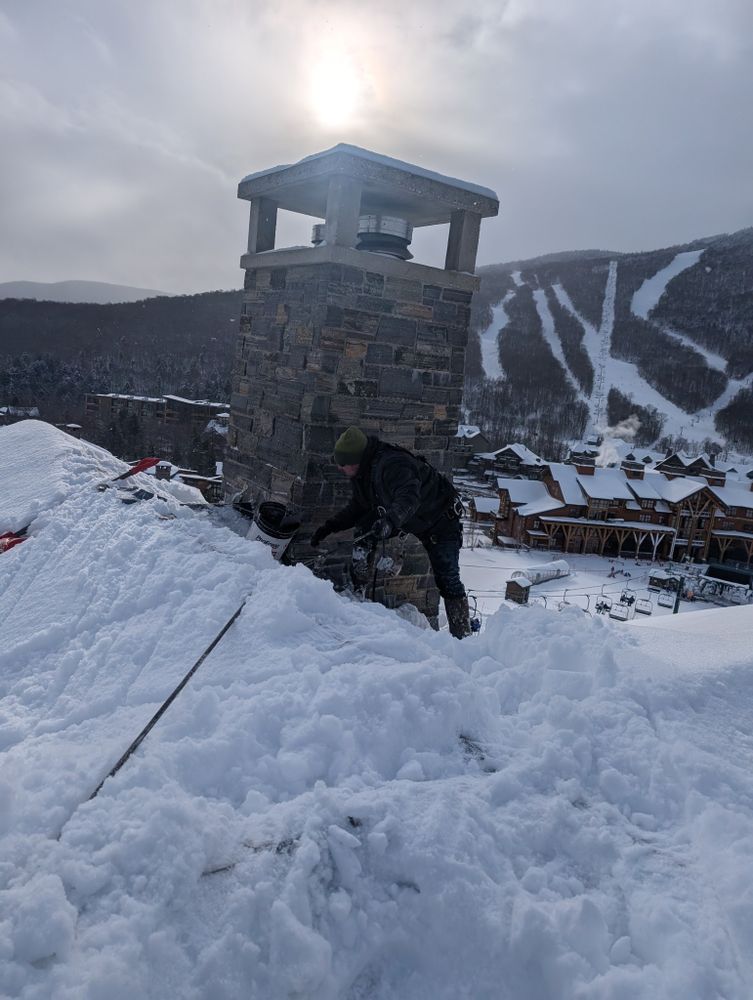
391, 186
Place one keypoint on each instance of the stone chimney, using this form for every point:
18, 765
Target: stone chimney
350, 331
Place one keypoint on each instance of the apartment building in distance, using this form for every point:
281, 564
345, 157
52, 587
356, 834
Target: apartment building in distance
167, 409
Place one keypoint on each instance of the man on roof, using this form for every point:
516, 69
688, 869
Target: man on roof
395, 491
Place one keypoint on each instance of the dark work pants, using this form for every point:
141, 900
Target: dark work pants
443, 544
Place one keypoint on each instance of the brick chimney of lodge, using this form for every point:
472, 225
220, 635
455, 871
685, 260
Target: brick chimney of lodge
349, 331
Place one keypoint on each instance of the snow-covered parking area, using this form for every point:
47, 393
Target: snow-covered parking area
341, 804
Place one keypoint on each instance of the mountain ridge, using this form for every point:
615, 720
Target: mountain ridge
568, 357
666, 335
76, 291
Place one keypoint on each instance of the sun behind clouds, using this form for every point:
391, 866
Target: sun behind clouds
337, 88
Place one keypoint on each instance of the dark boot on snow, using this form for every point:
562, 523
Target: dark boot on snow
458, 617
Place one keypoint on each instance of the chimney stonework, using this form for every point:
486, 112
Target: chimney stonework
331, 336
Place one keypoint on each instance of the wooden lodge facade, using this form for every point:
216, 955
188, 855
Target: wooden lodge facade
663, 513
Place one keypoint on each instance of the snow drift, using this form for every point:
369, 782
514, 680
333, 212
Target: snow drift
340, 804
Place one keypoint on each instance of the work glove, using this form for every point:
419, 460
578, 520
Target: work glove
382, 527
319, 535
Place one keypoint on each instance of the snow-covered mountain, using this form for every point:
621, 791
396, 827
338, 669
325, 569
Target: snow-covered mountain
74, 291
581, 341
341, 805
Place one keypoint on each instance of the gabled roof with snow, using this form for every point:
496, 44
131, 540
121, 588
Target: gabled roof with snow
540, 506
523, 490
675, 490
737, 473
605, 484
567, 478
734, 496
686, 460
486, 505
642, 489
524, 454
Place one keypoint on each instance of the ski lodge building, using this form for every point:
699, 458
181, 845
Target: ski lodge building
678, 507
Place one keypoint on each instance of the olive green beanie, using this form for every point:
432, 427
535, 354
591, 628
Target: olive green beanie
350, 447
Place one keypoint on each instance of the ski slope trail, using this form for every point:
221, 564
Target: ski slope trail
650, 292
615, 373
553, 340
647, 296
342, 805
490, 339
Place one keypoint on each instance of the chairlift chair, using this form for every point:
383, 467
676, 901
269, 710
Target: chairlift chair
666, 600
643, 606
620, 612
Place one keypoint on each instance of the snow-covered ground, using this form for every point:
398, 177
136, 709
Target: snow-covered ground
552, 339
341, 804
490, 339
648, 295
486, 571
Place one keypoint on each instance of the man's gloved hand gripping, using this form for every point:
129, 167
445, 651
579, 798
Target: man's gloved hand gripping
382, 527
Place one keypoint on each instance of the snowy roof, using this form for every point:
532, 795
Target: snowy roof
736, 471
196, 402
567, 478
139, 399
675, 490
605, 484
734, 496
523, 490
642, 489
486, 505
523, 453
646, 456
687, 460
539, 506
381, 160
347, 815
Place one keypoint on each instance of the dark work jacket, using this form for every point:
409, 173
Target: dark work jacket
413, 494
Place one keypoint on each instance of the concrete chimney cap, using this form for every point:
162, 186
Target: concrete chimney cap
389, 186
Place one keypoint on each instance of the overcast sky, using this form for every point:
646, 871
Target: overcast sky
125, 125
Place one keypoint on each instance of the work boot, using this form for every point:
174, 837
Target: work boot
458, 617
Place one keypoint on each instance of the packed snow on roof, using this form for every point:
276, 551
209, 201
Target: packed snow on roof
341, 804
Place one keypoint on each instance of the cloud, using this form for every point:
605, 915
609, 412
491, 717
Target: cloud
624, 125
